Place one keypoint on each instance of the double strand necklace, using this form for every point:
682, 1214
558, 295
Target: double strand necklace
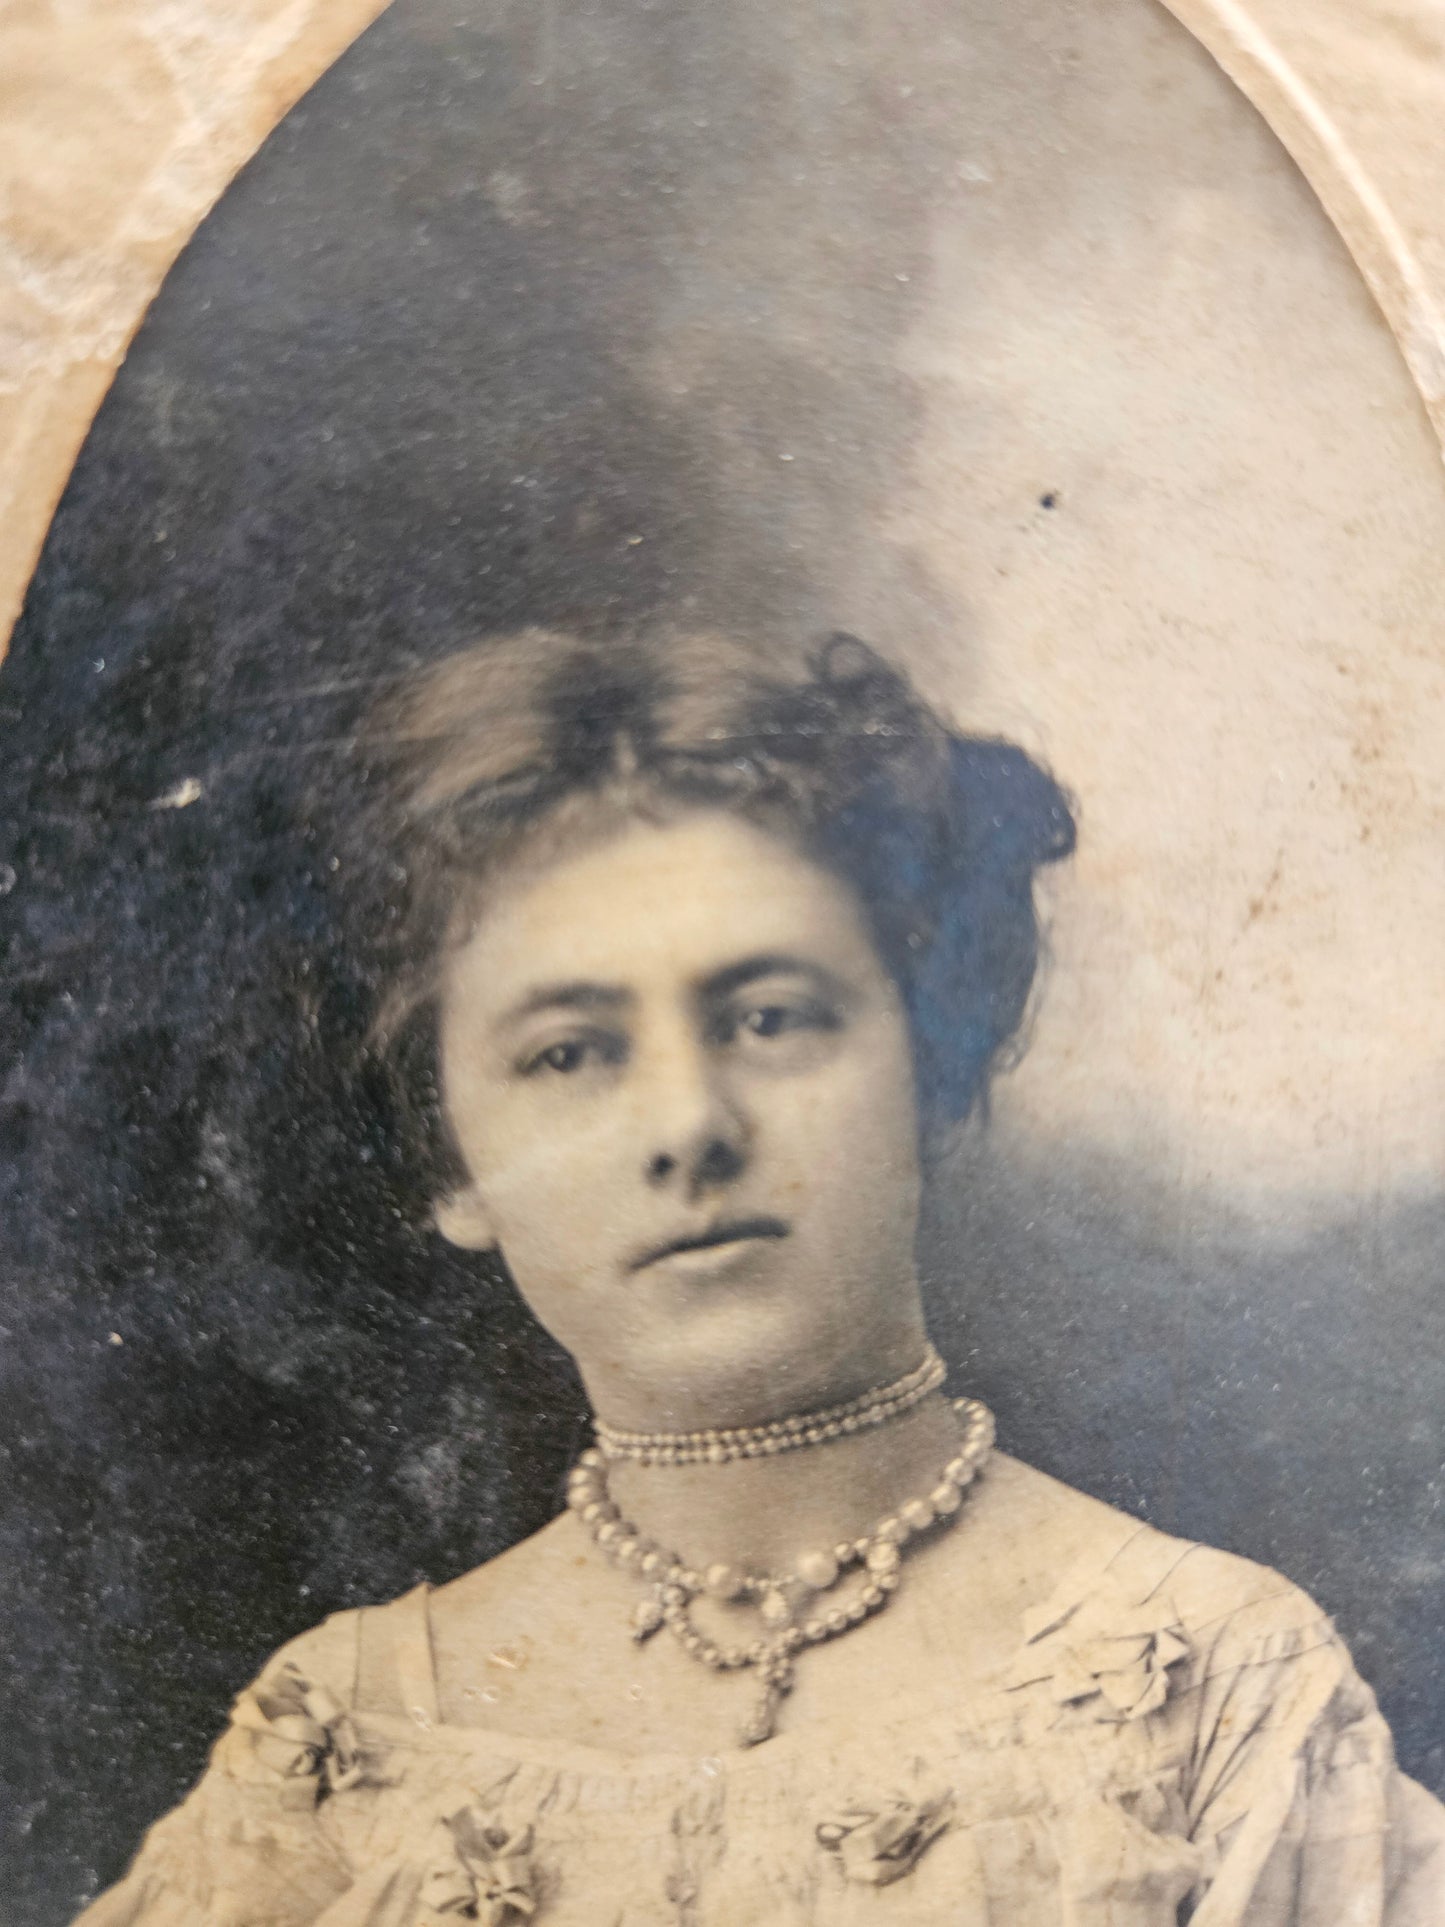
716, 1447
790, 1604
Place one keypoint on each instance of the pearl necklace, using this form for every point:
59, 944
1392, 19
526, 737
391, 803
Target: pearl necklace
860, 1414
779, 1434
787, 1604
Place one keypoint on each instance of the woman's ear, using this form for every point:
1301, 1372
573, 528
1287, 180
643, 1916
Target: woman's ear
463, 1220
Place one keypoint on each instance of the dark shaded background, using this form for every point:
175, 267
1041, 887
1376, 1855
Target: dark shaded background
399, 391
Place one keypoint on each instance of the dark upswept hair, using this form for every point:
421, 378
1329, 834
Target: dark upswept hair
544, 735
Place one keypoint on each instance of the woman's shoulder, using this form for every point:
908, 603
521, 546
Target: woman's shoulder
340, 1649
1084, 1564
326, 1652
381, 1657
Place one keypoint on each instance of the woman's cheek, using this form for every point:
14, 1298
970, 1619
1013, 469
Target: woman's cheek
859, 1105
542, 1166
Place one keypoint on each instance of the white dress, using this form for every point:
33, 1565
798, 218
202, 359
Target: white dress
1180, 1737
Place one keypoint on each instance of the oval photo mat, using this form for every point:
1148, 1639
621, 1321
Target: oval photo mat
1016, 345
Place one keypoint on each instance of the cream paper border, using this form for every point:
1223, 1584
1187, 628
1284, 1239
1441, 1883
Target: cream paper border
1358, 170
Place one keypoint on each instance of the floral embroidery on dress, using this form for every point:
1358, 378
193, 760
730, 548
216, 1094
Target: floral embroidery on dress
483, 1871
876, 1846
1130, 1674
303, 1735
1106, 1657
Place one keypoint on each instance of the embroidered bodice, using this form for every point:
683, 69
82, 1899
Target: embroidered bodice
1179, 1736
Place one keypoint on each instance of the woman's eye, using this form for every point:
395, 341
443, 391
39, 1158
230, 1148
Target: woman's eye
767, 1021
560, 1057
770, 1020
568, 1055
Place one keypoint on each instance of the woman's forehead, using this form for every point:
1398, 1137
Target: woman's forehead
658, 903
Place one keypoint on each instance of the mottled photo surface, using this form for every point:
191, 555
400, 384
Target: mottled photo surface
720, 1136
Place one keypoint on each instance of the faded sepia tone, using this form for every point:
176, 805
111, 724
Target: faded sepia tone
1101, 435
705, 956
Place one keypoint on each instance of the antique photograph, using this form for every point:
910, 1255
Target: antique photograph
721, 898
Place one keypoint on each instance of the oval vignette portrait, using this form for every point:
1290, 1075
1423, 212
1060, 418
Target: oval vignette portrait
720, 886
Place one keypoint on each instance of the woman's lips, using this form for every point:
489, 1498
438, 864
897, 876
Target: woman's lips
717, 1238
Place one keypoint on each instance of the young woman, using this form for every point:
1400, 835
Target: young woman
714, 951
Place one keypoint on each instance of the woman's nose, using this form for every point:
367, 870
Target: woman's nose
696, 1134
719, 1159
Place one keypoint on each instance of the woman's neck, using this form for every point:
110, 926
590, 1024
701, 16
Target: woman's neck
760, 1514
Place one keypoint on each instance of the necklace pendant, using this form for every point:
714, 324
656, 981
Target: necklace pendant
764, 1721
776, 1609
761, 1726
647, 1617
776, 1673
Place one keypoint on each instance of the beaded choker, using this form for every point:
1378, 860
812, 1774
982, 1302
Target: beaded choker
792, 1613
716, 1447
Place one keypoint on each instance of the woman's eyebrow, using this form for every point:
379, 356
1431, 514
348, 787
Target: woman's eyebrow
770, 963
580, 994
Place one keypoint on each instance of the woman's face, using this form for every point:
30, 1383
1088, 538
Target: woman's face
680, 1081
